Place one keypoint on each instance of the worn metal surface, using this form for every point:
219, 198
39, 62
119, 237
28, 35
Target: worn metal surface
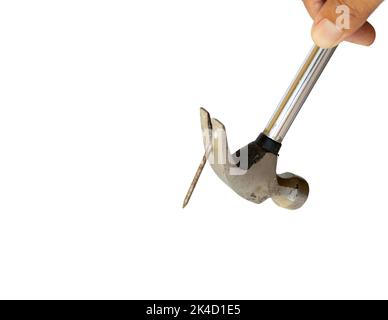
255, 180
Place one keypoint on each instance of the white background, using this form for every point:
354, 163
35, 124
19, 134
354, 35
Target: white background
100, 137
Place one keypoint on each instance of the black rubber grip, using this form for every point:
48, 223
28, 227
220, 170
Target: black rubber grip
268, 144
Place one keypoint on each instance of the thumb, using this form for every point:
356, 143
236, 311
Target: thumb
339, 20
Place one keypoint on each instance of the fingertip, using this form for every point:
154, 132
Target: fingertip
325, 34
365, 36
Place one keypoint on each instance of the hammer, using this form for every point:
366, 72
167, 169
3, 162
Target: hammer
251, 171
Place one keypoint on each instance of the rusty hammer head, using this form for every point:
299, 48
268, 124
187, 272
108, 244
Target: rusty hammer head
251, 171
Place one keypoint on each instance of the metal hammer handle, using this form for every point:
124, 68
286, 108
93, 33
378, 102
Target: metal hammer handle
297, 93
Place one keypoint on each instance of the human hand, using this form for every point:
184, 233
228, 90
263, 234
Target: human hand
342, 20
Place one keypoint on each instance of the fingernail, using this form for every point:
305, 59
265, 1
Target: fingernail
326, 34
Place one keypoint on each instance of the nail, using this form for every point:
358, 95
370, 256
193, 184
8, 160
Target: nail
326, 34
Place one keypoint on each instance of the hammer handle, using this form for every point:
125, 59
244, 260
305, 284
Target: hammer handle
297, 93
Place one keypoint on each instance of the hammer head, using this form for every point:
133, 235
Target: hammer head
251, 171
